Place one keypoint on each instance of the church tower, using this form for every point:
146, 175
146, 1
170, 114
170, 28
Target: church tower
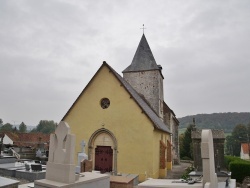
145, 76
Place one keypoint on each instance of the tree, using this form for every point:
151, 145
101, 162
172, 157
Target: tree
239, 135
45, 126
1, 121
22, 128
229, 145
6, 127
248, 130
186, 149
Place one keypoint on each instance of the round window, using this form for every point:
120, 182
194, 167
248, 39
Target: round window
105, 103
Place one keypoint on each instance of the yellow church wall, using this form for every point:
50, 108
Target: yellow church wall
138, 144
158, 135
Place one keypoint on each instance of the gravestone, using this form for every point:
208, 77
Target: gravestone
207, 155
38, 153
86, 165
81, 156
218, 143
60, 166
27, 167
60, 170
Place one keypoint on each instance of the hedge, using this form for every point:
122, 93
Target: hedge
239, 168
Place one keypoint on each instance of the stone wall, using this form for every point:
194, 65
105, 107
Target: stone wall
150, 85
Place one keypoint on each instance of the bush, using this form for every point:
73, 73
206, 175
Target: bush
228, 159
187, 171
239, 169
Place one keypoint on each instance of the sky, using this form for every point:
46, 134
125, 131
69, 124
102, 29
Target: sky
50, 49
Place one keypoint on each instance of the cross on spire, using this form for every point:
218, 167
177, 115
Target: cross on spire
143, 28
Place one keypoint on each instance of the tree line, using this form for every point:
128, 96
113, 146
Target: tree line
44, 126
225, 121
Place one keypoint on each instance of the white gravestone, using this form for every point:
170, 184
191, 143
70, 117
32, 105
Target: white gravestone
60, 166
207, 155
81, 156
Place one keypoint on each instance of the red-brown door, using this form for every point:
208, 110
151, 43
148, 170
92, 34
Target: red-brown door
103, 158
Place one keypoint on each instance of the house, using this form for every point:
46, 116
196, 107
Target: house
124, 120
244, 151
24, 140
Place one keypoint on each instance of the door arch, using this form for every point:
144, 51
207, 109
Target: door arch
103, 138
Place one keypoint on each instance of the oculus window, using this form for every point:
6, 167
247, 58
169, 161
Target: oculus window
105, 102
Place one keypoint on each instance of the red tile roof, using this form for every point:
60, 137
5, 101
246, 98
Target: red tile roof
245, 148
28, 139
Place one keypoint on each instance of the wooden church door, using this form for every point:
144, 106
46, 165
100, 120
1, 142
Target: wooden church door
103, 158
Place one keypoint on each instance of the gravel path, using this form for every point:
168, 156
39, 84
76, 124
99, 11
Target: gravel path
177, 171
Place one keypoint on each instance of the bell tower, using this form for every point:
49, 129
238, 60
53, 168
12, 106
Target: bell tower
145, 76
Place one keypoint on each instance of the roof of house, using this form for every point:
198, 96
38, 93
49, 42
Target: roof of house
143, 59
157, 122
28, 139
245, 148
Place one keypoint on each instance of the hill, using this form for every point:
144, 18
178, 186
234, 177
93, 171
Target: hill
225, 121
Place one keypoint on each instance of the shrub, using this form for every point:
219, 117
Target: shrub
240, 169
187, 171
229, 159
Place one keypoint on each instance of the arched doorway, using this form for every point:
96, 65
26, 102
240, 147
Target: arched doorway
103, 151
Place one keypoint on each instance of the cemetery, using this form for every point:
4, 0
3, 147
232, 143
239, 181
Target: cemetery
61, 171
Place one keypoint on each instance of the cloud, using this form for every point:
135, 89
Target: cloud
50, 49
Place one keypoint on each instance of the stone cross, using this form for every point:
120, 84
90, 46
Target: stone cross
83, 144
143, 28
207, 155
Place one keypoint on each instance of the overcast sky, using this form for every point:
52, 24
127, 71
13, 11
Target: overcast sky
50, 49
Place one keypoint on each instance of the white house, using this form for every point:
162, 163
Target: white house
7, 140
244, 152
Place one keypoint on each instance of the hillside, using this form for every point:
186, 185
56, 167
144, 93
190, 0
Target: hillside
225, 121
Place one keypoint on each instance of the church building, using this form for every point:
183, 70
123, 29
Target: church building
125, 122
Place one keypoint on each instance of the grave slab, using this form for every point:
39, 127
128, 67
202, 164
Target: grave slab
86, 180
30, 175
121, 182
8, 183
164, 183
7, 159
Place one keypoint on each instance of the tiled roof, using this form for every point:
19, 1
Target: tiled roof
245, 148
143, 59
28, 139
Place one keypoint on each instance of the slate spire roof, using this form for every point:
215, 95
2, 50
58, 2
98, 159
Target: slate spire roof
143, 59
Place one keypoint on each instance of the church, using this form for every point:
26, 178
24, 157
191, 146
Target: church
125, 122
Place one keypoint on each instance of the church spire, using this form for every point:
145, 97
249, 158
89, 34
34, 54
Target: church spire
143, 59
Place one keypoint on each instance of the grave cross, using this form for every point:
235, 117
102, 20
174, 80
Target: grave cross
83, 144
